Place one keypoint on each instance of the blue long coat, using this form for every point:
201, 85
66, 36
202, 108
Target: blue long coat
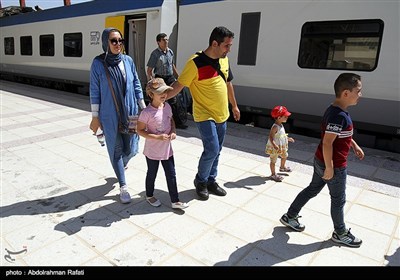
100, 93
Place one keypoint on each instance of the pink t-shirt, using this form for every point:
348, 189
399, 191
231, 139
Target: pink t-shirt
158, 121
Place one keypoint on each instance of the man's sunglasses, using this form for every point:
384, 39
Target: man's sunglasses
114, 42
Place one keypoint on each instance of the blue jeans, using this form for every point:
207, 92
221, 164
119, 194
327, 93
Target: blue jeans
212, 135
170, 175
337, 191
120, 160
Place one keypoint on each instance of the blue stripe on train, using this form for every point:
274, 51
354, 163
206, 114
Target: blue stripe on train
77, 10
191, 2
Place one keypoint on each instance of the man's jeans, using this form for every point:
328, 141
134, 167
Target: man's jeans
337, 191
212, 134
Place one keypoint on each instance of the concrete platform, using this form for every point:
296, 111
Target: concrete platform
60, 206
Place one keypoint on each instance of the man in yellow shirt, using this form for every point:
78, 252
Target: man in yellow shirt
208, 76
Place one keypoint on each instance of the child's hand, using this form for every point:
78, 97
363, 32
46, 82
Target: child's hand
163, 137
290, 139
328, 174
359, 152
172, 136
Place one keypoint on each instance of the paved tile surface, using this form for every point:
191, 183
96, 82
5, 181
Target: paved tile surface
60, 207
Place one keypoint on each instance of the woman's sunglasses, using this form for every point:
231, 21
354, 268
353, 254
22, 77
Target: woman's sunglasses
114, 42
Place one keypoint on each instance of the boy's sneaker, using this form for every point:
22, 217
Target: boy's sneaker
347, 239
124, 196
293, 223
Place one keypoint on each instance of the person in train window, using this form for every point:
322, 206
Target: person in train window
161, 65
128, 95
157, 125
330, 161
208, 76
277, 144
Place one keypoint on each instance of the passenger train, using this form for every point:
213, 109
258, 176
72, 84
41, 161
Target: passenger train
284, 53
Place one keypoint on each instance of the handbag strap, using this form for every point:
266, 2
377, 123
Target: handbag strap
112, 89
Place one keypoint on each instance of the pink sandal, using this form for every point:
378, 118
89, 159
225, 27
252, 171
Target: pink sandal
276, 178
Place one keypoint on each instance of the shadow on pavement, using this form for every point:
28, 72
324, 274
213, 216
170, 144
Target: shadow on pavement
56, 204
393, 260
272, 251
114, 212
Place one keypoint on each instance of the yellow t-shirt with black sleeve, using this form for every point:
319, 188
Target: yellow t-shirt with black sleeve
208, 88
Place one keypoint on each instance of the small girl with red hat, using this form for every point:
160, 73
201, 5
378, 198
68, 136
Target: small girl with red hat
277, 144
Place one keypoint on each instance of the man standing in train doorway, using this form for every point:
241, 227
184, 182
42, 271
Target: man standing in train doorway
161, 65
209, 78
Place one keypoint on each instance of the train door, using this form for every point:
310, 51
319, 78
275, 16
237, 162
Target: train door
137, 45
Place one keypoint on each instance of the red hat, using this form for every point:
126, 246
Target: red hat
280, 111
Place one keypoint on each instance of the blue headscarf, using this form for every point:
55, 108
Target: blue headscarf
117, 79
112, 59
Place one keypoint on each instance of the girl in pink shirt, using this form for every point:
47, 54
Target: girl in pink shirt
156, 124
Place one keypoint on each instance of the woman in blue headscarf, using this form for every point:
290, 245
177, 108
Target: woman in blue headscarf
128, 95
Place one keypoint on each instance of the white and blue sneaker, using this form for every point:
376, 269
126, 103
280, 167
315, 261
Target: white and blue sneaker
293, 223
124, 195
347, 239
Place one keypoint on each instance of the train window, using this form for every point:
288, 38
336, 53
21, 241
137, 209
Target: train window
9, 46
46, 45
26, 45
249, 32
73, 44
342, 45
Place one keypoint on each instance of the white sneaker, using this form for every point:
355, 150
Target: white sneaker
153, 201
124, 195
179, 205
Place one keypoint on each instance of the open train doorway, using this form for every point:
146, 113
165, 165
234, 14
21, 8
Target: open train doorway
137, 46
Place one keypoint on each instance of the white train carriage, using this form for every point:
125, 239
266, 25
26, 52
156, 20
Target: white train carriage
284, 52
60, 43
290, 52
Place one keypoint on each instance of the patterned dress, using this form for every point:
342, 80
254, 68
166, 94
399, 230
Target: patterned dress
280, 139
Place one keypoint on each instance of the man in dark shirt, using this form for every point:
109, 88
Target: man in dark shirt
161, 65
